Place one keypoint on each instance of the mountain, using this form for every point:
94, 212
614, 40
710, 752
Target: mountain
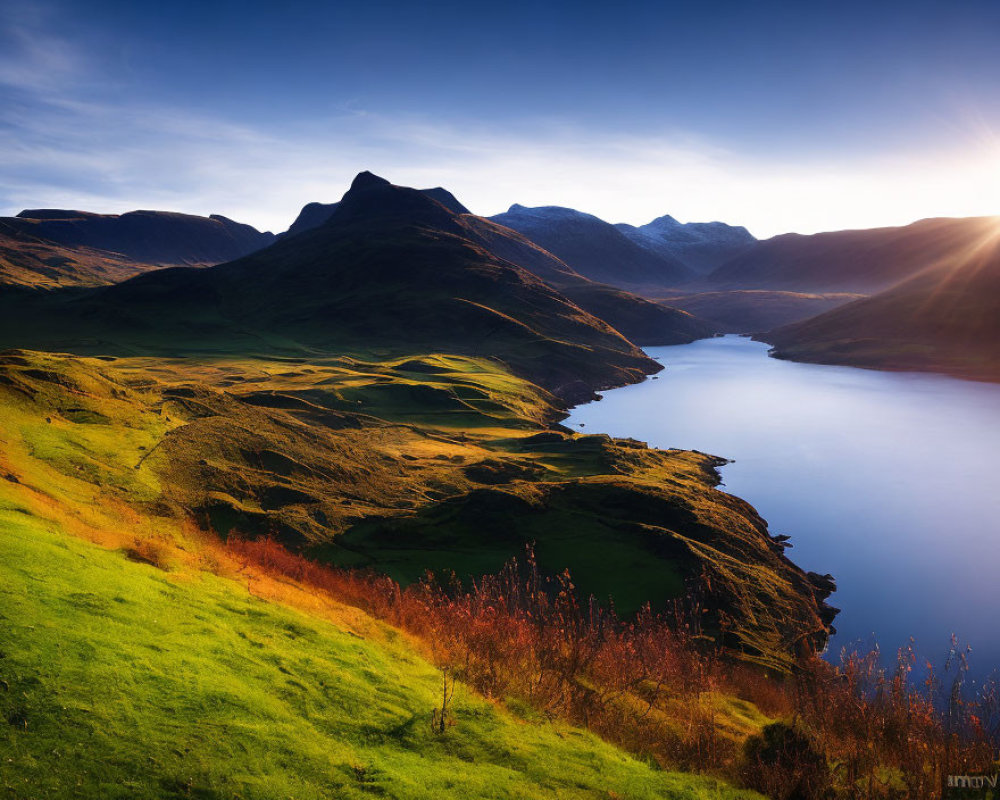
594, 248
945, 319
638, 319
863, 261
56, 247
27, 261
392, 269
313, 215
702, 246
644, 322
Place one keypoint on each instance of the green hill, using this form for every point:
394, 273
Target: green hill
437, 462
121, 680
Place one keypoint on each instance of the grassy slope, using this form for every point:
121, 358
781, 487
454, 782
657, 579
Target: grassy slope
120, 680
402, 464
123, 680
35, 263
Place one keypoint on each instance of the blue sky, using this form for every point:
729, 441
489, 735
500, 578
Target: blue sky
782, 116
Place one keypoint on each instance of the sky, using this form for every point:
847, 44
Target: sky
796, 116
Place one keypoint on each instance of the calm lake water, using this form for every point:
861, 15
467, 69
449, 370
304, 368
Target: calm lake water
889, 481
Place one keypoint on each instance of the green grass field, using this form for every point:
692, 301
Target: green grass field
121, 680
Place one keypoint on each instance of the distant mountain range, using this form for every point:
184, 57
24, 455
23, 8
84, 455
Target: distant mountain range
56, 247
848, 261
594, 248
701, 246
946, 318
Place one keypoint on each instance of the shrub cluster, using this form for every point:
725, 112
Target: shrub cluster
658, 687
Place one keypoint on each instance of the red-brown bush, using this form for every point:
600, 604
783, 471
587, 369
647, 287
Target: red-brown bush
650, 683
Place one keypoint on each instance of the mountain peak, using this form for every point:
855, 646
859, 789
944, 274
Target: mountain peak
366, 180
666, 221
373, 198
594, 248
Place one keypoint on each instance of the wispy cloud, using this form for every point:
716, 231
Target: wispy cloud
62, 146
32, 59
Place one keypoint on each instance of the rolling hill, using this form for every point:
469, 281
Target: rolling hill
945, 319
192, 676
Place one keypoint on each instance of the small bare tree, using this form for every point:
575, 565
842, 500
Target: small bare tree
440, 718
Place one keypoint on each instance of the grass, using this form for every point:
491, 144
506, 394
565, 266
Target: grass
431, 461
123, 680
33, 263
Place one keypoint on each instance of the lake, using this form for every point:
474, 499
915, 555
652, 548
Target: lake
887, 480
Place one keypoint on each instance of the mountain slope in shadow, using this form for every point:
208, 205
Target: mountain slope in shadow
862, 261
594, 248
701, 246
55, 247
644, 322
945, 319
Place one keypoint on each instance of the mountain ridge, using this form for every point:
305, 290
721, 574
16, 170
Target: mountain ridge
315, 214
945, 318
702, 246
594, 248
865, 261
57, 247
391, 268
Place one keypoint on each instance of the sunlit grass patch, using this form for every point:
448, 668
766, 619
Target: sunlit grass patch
120, 681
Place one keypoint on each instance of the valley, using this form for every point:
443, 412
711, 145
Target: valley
345, 452
537, 401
